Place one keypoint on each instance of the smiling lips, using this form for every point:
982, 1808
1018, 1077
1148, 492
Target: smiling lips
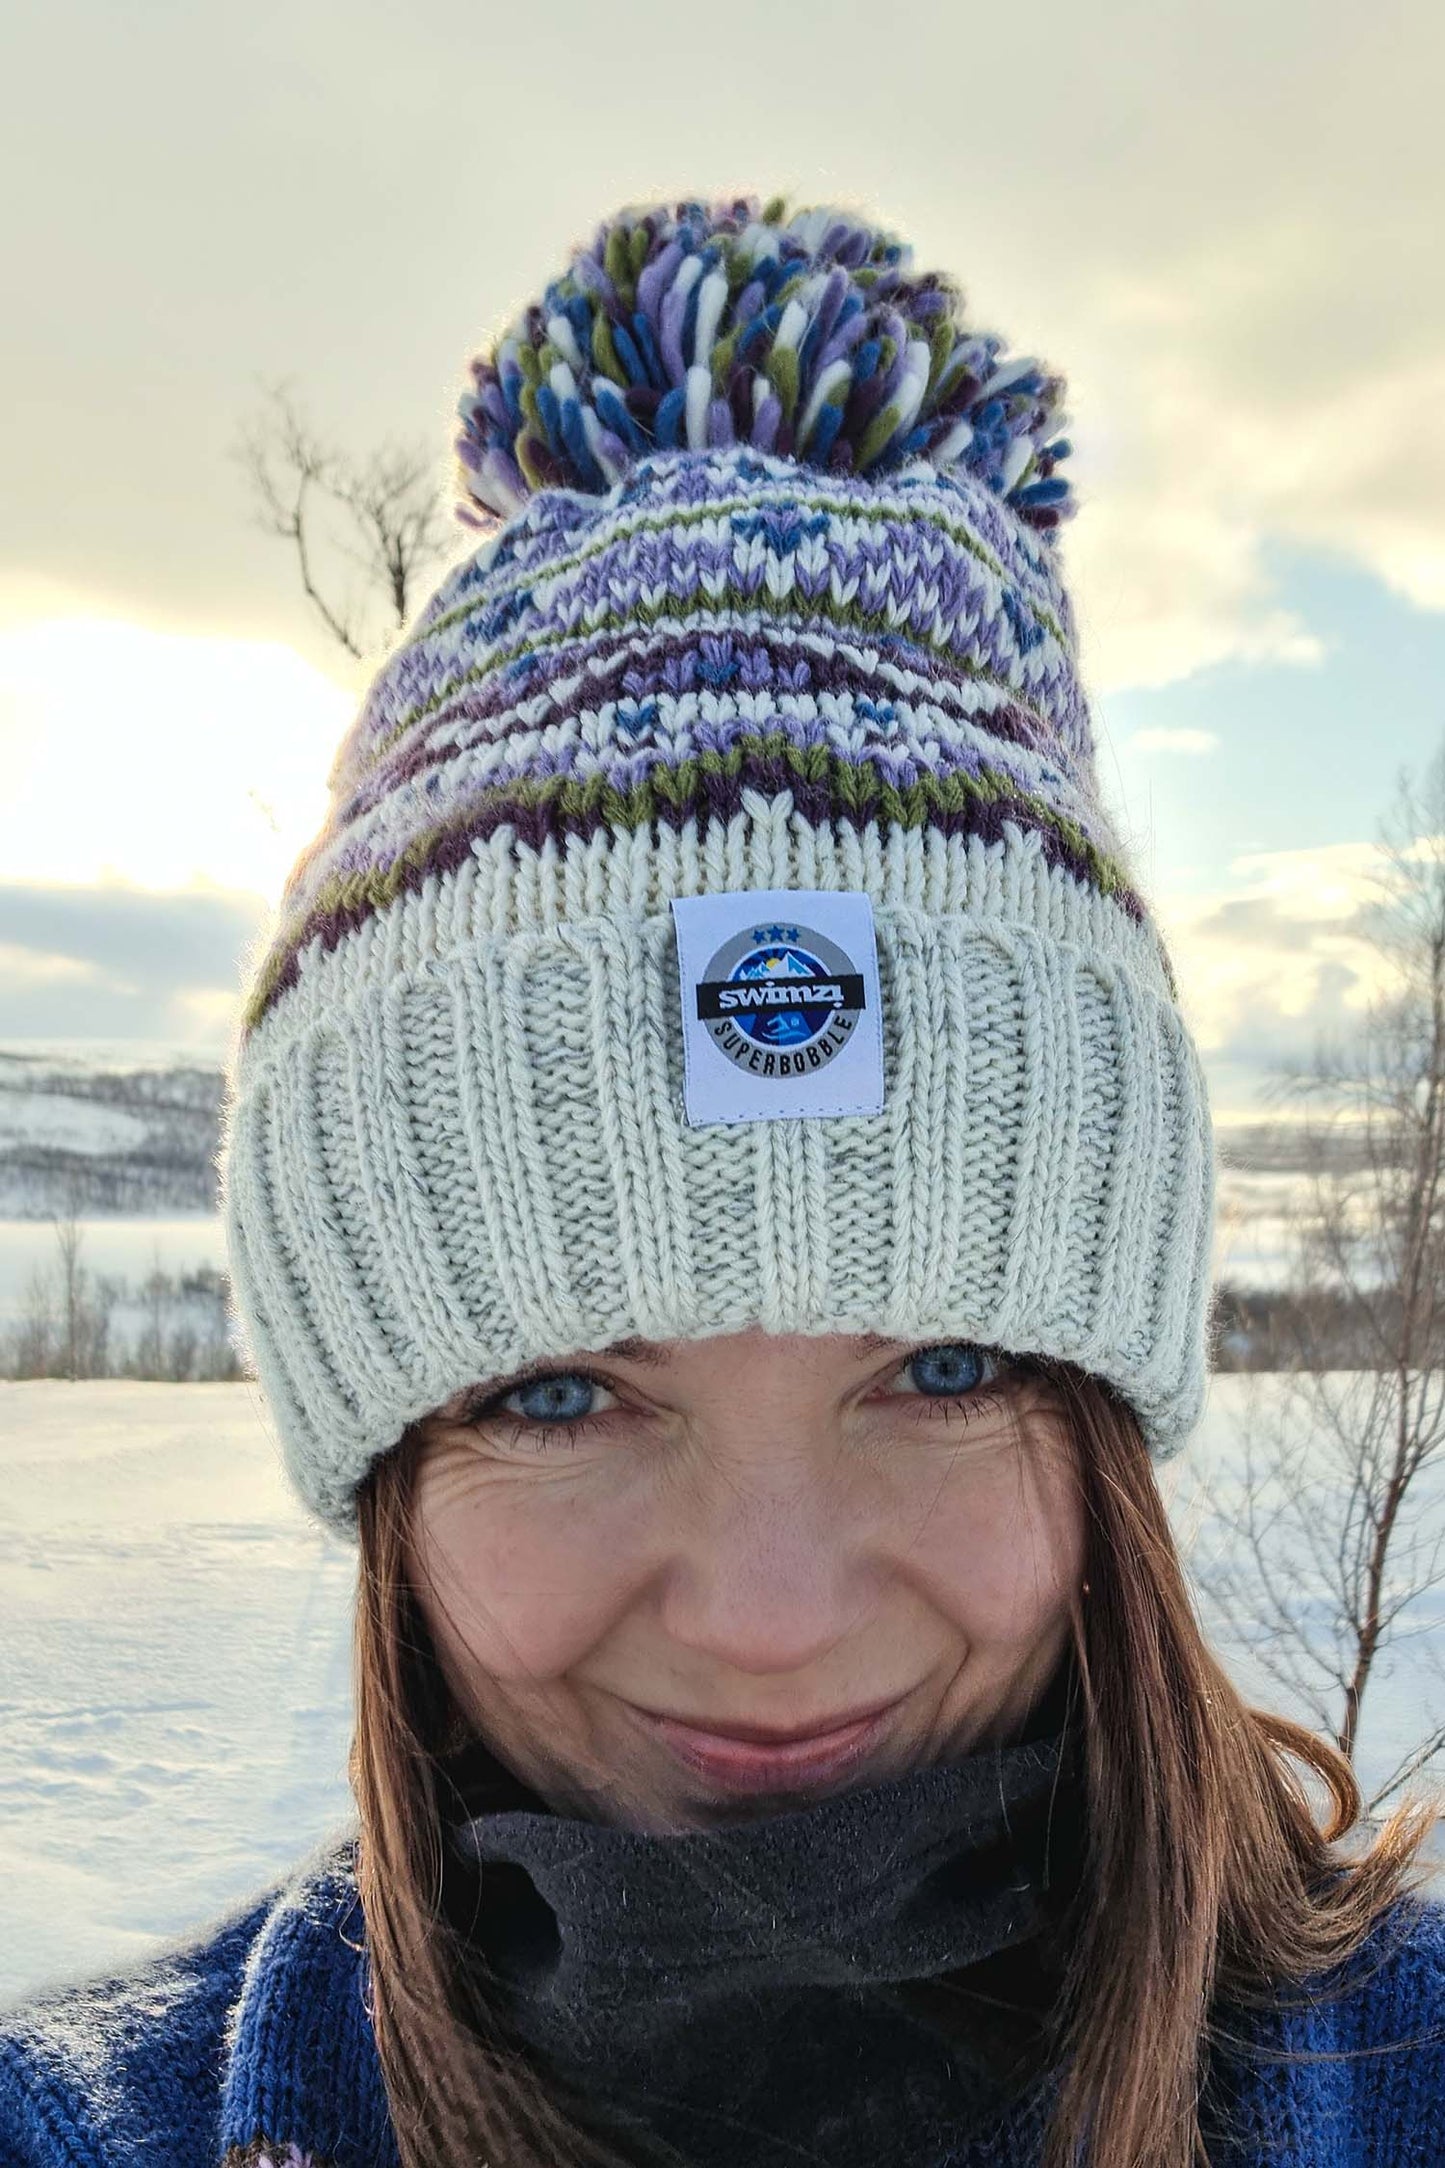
756, 1757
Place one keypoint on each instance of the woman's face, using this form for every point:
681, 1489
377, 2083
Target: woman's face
746, 1532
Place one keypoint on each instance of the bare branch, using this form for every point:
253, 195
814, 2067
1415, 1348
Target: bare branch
384, 517
1405, 1771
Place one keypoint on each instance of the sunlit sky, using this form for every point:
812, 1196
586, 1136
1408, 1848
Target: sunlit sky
1220, 223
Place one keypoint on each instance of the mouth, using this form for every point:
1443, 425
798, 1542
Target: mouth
759, 1758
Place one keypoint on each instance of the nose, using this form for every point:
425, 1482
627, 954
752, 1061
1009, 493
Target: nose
769, 1575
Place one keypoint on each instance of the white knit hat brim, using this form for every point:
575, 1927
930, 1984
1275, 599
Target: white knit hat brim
458, 1144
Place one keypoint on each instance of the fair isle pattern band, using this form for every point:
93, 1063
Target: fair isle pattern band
894, 653
457, 1144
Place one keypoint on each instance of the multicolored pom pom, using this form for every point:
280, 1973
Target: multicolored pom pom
807, 336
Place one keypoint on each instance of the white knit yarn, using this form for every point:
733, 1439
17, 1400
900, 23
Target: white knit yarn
459, 1143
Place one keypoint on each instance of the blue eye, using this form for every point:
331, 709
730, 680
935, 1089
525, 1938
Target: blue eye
563, 1397
955, 1367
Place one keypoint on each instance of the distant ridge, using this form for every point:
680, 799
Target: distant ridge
99, 1127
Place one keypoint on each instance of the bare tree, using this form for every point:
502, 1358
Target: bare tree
157, 1298
1328, 1536
383, 516
69, 1242
33, 1341
181, 1355
63, 1330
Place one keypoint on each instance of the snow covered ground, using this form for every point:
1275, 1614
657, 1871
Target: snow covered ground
174, 1664
173, 1668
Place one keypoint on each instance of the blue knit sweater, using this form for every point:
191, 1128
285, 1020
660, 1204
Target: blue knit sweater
252, 2045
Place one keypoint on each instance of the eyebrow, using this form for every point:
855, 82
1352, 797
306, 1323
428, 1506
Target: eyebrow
646, 1352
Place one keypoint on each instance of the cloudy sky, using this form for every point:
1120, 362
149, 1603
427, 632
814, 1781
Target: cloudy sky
1220, 223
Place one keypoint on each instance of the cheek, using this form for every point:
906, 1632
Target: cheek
1002, 1551
520, 1577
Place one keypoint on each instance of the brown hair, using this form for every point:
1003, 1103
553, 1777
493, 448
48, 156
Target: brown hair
1208, 1879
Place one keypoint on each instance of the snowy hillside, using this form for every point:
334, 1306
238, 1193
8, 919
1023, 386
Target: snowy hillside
111, 1130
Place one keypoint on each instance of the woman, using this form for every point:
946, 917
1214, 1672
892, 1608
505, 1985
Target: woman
719, 1195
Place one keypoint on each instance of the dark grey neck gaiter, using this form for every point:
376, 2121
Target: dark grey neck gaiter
847, 1982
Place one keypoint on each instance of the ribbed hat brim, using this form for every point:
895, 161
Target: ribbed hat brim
459, 1144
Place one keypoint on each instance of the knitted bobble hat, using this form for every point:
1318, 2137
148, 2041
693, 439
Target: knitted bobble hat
716, 922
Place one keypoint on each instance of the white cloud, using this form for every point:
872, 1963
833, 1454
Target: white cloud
159, 759
1221, 407
1328, 881
1273, 961
23, 970
1161, 740
111, 958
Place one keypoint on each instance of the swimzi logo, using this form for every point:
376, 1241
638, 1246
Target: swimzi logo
780, 1005
780, 1000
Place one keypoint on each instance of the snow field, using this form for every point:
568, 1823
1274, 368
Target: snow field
173, 1669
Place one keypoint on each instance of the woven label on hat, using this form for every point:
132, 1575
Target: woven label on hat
780, 1006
